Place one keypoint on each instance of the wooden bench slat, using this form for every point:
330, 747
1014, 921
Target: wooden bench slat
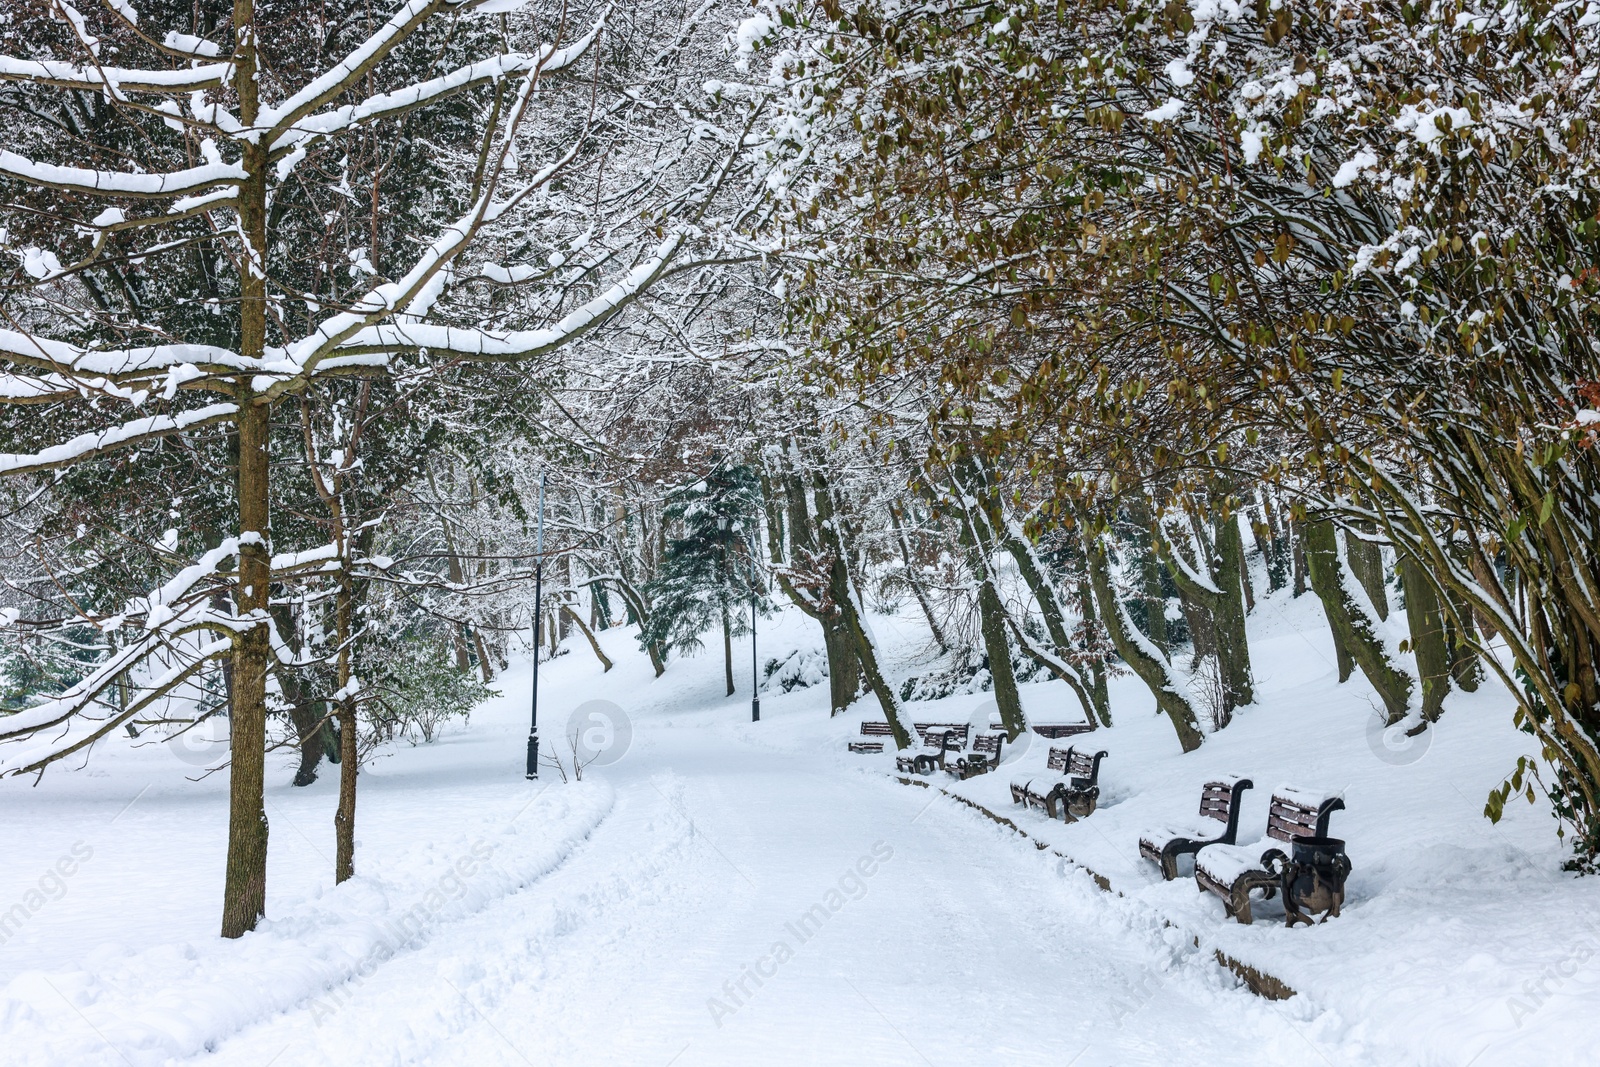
1057, 730
1288, 817
1215, 810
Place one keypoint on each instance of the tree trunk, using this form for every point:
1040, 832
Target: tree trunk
1219, 593
1136, 650
1090, 700
844, 664
1351, 627
349, 730
1202, 634
986, 529
1366, 563
599, 653
344, 819
1297, 534
976, 536
1089, 691
838, 640
1155, 598
1233, 641
912, 580
244, 897
992, 621
641, 613
1099, 696
1244, 581
842, 596
309, 728
1426, 620
1056, 666
344, 816
245, 890
485, 668
866, 654
1461, 635
1278, 565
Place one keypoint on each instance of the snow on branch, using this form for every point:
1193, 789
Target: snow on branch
116, 80
118, 183
461, 342
466, 343
82, 695
338, 78
84, 731
30, 389
415, 291
389, 104
88, 445
58, 356
178, 608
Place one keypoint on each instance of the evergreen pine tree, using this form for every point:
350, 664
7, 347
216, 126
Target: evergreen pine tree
708, 573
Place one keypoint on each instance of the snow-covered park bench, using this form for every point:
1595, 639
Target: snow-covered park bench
981, 758
938, 739
871, 729
1073, 795
1219, 801
1055, 731
1232, 871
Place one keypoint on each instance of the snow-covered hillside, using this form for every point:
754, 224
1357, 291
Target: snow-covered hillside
728, 892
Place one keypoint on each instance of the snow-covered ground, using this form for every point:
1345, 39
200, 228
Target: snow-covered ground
724, 892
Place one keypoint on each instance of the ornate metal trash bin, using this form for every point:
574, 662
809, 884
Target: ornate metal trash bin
1312, 878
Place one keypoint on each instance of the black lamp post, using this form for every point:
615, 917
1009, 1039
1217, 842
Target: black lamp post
538, 590
755, 689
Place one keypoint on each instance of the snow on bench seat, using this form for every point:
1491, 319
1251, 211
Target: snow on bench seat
1232, 871
1224, 864
1219, 802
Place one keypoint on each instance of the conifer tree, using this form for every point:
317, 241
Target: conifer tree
709, 571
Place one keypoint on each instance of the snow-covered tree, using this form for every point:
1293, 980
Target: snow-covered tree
709, 571
241, 148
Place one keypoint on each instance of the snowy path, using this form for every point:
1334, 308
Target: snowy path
627, 919
964, 945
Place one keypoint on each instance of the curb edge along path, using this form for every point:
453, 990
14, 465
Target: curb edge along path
1258, 981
